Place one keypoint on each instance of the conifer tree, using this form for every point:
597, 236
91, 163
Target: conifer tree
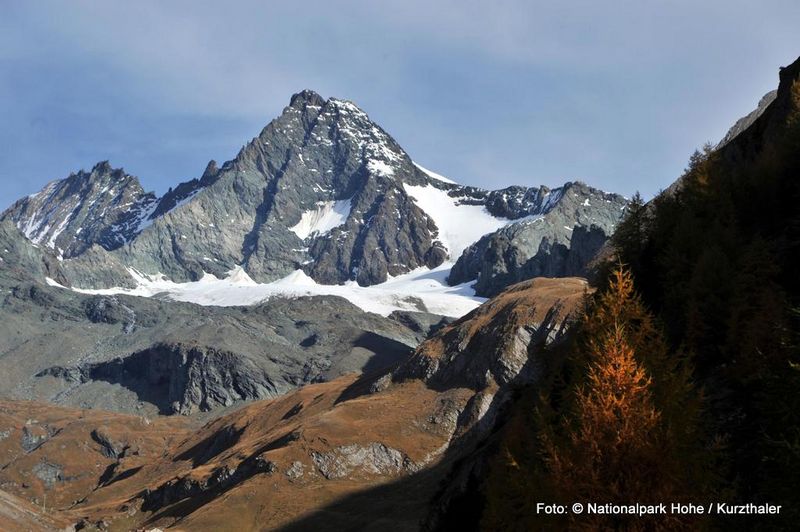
630, 428
619, 424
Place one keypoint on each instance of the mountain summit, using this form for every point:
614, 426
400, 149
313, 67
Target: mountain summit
105, 206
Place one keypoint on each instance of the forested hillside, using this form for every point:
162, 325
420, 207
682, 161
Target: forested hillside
681, 382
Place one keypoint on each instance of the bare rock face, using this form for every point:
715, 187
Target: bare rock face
220, 479
48, 473
747, 120
558, 241
296, 470
21, 261
498, 343
33, 437
180, 379
110, 447
104, 206
358, 460
319, 158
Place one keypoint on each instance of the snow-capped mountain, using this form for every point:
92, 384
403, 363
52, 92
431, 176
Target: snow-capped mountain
105, 206
323, 196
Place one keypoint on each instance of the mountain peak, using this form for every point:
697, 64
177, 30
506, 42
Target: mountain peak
305, 98
767, 121
211, 169
790, 72
68, 216
322, 189
104, 172
102, 167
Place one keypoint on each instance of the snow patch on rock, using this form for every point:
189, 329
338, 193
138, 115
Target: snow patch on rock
380, 168
320, 220
460, 225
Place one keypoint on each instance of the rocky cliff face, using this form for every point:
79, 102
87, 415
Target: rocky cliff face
498, 343
558, 239
323, 189
105, 206
179, 378
318, 189
19, 260
747, 120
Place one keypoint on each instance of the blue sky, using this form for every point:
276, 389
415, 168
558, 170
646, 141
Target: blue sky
617, 94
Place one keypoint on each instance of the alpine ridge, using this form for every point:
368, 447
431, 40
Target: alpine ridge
322, 190
104, 206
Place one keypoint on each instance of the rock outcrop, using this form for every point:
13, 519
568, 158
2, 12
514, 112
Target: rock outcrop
179, 378
498, 343
747, 120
